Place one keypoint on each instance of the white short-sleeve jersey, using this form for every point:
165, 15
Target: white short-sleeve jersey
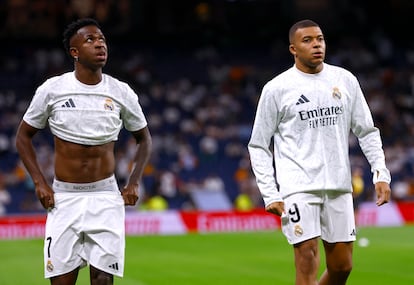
85, 114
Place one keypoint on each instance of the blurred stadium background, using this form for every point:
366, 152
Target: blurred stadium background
198, 67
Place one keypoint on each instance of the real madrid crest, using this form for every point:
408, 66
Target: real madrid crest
336, 93
109, 105
49, 266
298, 231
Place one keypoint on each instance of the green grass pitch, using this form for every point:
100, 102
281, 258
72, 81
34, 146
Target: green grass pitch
257, 258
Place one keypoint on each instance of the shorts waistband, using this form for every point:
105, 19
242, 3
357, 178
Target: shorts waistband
107, 184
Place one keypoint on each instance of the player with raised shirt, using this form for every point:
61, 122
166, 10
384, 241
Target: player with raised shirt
85, 110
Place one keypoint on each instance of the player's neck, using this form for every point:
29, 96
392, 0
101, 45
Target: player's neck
310, 69
88, 76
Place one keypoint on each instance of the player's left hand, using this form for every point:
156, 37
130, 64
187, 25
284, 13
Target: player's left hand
383, 191
130, 194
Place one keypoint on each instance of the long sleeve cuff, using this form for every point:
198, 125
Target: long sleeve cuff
381, 175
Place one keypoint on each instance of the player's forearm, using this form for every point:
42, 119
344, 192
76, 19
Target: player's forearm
262, 165
142, 157
28, 157
371, 146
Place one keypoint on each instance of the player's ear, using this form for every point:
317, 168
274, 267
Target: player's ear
292, 49
74, 53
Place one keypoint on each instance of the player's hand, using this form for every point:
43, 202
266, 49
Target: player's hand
383, 191
277, 208
45, 195
130, 194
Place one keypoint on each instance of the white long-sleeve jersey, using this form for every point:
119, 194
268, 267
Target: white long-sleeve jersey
310, 117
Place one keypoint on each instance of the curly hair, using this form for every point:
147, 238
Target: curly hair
73, 27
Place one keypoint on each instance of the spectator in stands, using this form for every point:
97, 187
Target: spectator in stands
5, 197
358, 188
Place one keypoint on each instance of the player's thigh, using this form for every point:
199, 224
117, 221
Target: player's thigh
308, 249
100, 277
307, 260
338, 255
69, 278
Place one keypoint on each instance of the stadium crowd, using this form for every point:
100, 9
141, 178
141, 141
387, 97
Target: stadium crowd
199, 101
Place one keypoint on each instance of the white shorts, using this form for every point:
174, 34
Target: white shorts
87, 226
325, 214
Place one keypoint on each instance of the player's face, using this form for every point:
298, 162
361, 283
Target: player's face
308, 48
89, 45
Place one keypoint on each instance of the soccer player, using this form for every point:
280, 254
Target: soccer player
309, 110
85, 110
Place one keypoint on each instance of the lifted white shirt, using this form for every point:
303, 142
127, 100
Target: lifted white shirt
85, 114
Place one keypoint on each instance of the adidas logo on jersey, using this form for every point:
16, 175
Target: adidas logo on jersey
302, 99
69, 104
353, 233
114, 266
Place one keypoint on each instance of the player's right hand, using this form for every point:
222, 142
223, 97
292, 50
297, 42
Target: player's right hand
46, 196
277, 208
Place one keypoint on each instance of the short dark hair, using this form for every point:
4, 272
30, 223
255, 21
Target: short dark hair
73, 27
299, 25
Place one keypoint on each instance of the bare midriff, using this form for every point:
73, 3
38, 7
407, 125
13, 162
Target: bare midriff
76, 163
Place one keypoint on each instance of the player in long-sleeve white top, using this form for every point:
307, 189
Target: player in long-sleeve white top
309, 111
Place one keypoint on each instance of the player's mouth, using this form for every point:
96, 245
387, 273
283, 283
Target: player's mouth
101, 55
318, 54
